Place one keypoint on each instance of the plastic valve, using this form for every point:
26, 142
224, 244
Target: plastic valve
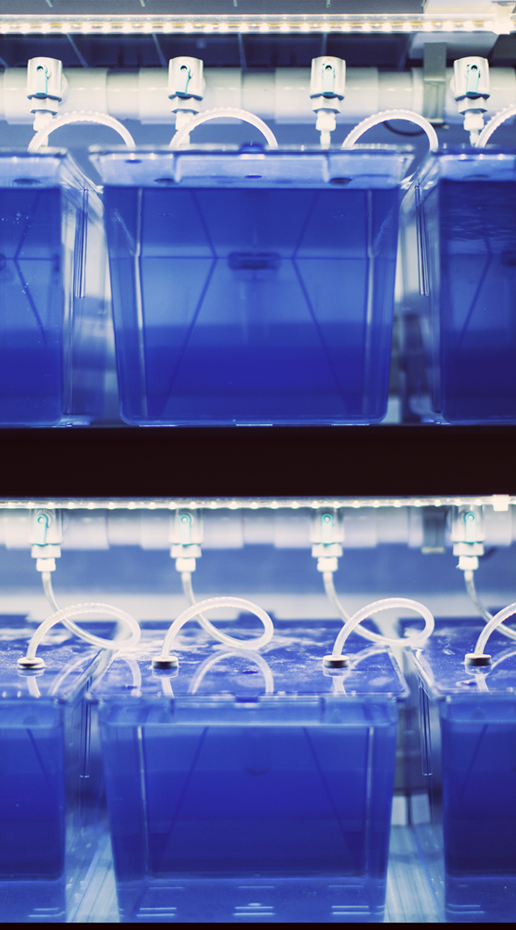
186, 536
46, 87
185, 88
328, 79
185, 78
471, 89
46, 538
45, 81
327, 89
327, 535
471, 79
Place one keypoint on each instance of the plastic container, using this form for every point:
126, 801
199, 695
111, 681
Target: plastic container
252, 286
250, 785
470, 760
48, 822
54, 291
458, 232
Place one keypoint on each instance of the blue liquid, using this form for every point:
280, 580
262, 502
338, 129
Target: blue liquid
283, 808
52, 327
478, 299
49, 825
32, 797
479, 788
479, 815
474, 782
252, 306
32, 814
31, 307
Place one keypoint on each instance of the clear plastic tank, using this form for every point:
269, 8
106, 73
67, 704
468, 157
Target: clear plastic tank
54, 296
473, 796
250, 784
459, 278
49, 808
252, 286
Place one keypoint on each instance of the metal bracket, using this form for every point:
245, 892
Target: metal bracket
434, 81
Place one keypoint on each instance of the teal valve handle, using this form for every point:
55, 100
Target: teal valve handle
41, 81
41, 529
472, 80
183, 80
328, 80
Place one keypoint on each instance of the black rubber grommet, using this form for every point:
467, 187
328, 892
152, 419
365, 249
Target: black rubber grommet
332, 662
165, 673
163, 664
474, 661
31, 665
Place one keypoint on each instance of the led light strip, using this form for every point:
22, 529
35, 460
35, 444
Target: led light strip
499, 502
234, 25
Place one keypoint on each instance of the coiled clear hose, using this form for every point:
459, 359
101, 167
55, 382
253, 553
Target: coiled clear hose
80, 116
386, 604
491, 627
63, 615
493, 124
213, 603
351, 623
226, 112
410, 115
186, 579
469, 579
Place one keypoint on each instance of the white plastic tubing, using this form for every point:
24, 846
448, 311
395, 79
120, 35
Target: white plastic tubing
213, 603
352, 623
387, 603
245, 116
384, 117
283, 96
32, 661
80, 116
491, 627
493, 124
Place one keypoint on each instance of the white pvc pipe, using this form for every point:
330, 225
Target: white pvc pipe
282, 96
364, 528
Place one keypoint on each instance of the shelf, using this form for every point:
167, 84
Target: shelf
381, 461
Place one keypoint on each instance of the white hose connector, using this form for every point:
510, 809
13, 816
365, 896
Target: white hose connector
223, 112
31, 661
337, 660
165, 660
493, 124
478, 657
81, 116
410, 115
